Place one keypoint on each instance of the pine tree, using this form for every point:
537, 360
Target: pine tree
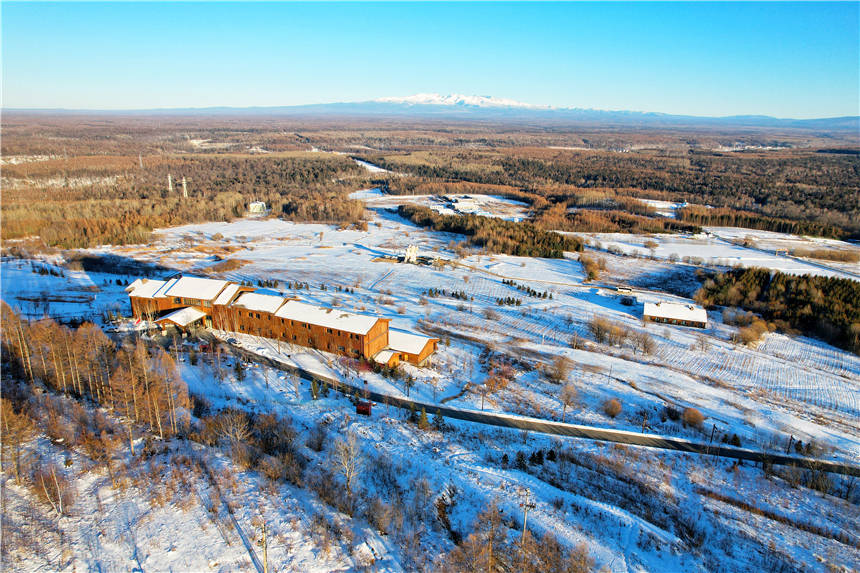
438, 420
423, 422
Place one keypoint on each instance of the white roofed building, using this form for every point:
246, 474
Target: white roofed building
676, 313
225, 305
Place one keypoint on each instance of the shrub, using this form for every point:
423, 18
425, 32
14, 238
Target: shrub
612, 407
693, 417
672, 413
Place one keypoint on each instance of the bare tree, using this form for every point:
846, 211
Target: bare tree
233, 425
16, 429
348, 459
569, 397
643, 342
560, 369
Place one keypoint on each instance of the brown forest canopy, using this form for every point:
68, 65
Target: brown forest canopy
77, 180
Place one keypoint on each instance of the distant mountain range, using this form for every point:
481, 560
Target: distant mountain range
465, 107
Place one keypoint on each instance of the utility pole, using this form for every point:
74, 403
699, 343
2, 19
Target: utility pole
140, 159
264, 542
527, 505
184, 189
169, 183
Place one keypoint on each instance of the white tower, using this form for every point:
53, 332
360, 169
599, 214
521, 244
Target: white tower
184, 189
169, 183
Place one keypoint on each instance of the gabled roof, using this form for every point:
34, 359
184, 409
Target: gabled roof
259, 302
144, 288
196, 287
227, 294
327, 317
183, 316
407, 342
167, 284
676, 311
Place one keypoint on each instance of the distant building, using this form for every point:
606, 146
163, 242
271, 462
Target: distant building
411, 255
186, 302
257, 208
676, 313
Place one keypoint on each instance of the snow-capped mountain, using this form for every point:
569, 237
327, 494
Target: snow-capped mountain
459, 100
488, 108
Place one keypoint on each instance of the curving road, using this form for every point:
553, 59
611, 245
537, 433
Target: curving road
571, 430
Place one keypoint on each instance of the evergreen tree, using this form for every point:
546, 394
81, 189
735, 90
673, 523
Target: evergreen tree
423, 422
438, 420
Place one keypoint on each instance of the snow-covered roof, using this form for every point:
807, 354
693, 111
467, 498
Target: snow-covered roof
167, 284
401, 341
196, 287
134, 285
676, 311
383, 356
227, 294
144, 288
183, 316
327, 317
259, 302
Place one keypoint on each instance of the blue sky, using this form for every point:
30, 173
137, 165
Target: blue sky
785, 60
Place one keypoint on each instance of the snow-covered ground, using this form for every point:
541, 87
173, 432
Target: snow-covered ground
717, 247
470, 204
787, 385
664, 208
371, 167
636, 510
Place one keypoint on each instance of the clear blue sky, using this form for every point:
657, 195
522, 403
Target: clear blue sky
785, 60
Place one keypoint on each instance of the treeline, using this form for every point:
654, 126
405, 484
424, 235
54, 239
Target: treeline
726, 217
495, 235
557, 217
826, 307
142, 385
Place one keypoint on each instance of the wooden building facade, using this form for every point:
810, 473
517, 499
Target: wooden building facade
225, 305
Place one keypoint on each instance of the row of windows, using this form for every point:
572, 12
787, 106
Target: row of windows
305, 325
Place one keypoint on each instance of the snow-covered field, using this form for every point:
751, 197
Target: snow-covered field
721, 246
471, 204
785, 386
635, 509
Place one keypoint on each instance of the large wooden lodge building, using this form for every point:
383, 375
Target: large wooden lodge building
225, 305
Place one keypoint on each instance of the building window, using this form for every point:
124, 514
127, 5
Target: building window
177, 300
341, 348
294, 337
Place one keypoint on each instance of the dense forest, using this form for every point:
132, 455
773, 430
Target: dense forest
80, 181
495, 235
814, 193
725, 217
826, 307
88, 201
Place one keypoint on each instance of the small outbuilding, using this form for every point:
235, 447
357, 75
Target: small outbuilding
676, 313
257, 208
